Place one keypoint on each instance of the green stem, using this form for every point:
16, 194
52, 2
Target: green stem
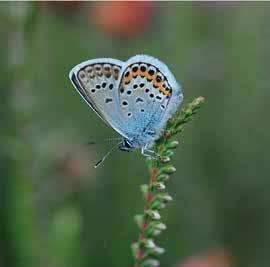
145, 251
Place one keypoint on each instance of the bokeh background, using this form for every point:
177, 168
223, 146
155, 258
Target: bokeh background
57, 211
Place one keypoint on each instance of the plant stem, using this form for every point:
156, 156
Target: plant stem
145, 251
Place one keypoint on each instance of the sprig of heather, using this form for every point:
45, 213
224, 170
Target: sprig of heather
145, 251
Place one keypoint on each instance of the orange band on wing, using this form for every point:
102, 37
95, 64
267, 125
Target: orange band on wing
127, 78
149, 77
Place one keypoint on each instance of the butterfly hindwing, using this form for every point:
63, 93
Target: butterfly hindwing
149, 94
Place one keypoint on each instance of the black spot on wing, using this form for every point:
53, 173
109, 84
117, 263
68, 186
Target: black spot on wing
108, 100
139, 100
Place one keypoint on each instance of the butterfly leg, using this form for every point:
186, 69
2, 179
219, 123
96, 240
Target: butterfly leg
149, 153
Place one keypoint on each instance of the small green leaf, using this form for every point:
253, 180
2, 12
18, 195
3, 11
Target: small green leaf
168, 153
163, 177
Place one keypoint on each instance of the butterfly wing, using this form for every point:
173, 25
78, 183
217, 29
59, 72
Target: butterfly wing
148, 96
96, 81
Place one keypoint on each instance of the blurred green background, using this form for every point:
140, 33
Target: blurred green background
57, 211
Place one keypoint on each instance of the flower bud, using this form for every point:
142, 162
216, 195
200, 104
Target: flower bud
158, 250
168, 153
168, 169
160, 186
167, 198
153, 214
161, 226
165, 159
173, 144
163, 177
149, 243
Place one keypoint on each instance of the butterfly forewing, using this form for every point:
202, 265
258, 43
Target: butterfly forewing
96, 80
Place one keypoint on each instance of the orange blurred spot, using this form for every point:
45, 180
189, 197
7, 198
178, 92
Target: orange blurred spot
211, 258
122, 18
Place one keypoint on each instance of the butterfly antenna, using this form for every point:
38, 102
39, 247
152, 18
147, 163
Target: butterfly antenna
89, 143
115, 147
110, 140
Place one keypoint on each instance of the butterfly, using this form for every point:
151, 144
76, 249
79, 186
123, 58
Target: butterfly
135, 98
